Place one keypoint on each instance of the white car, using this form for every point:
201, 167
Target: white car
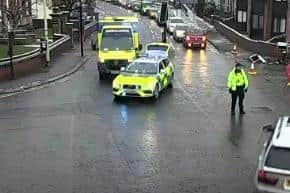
273, 172
172, 22
180, 31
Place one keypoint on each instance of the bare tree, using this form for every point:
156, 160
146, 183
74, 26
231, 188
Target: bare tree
19, 13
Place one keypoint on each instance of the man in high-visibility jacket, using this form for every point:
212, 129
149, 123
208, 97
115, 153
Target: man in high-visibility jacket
238, 84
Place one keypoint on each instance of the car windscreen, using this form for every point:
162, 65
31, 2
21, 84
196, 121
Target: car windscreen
157, 47
142, 68
176, 21
181, 27
278, 158
195, 32
117, 39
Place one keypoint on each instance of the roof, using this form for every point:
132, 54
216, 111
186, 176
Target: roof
156, 53
147, 59
121, 18
117, 27
176, 17
281, 137
159, 44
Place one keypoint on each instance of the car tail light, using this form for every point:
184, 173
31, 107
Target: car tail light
187, 38
203, 38
265, 178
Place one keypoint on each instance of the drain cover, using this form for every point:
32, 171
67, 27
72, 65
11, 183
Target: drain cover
261, 109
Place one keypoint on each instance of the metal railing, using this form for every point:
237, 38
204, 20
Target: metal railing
4, 62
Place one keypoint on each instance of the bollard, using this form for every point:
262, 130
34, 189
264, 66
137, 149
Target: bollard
288, 74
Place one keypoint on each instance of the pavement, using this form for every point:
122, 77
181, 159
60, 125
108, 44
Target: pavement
71, 137
63, 65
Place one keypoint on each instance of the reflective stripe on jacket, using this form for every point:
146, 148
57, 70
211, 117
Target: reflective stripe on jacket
237, 79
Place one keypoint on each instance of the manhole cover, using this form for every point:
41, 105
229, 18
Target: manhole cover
261, 109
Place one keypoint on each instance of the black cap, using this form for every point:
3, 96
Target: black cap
238, 64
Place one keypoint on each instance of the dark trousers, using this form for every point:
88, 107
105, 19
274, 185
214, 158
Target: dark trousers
239, 93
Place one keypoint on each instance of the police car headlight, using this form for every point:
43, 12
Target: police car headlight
117, 85
101, 60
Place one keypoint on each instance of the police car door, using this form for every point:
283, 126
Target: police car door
163, 74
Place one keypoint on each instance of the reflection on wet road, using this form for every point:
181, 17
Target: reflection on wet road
72, 137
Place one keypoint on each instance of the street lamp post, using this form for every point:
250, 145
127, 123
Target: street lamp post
81, 28
47, 56
10, 44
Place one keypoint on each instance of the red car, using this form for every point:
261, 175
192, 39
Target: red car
195, 38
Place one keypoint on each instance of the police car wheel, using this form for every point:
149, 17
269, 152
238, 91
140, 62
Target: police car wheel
102, 76
170, 85
156, 93
117, 98
94, 47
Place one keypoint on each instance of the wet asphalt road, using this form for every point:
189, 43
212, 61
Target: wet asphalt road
71, 136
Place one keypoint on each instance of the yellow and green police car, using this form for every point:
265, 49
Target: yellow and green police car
145, 77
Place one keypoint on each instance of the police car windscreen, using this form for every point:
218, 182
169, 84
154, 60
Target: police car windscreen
142, 68
157, 47
117, 39
278, 158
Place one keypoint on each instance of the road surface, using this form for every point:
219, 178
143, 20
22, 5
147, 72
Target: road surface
71, 137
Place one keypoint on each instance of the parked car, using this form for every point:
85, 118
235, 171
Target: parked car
179, 32
136, 6
146, 5
131, 4
172, 22
273, 171
195, 38
153, 12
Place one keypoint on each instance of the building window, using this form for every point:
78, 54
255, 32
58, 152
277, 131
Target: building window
279, 25
283, 25
258, 22
242, 16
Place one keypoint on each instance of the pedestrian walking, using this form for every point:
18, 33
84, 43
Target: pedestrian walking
238, 85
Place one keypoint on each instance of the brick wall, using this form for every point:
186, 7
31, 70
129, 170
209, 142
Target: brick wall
32, 65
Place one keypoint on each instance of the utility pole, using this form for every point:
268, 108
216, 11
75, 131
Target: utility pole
105, 7
10, 43
81, 28
2, 17
141, 7
164, 7
47, 56
288, 23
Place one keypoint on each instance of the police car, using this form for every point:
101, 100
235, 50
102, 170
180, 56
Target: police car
145, 77
273, 172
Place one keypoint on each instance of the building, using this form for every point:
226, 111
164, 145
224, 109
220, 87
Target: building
261, 19
288, 23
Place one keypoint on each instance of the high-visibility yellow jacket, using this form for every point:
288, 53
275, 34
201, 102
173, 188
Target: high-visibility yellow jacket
237, 79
